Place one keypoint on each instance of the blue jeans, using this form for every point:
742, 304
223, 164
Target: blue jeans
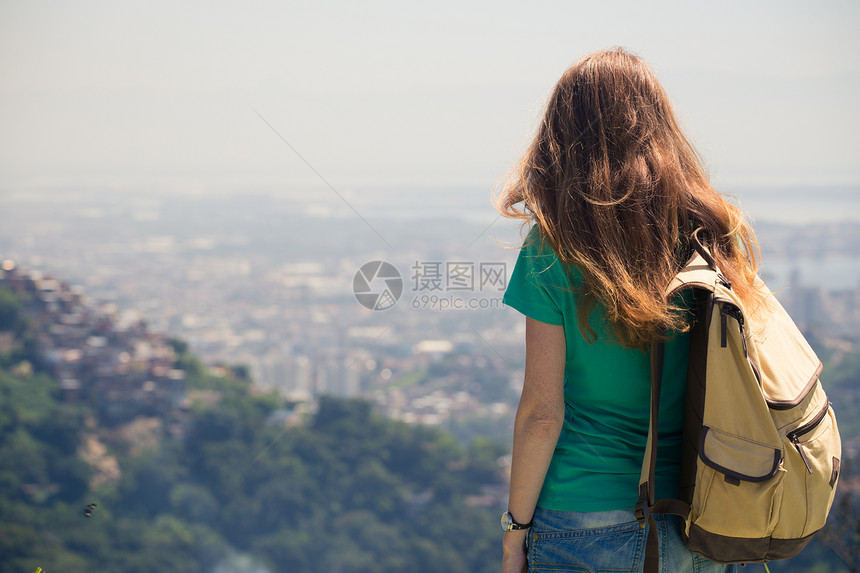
609, 541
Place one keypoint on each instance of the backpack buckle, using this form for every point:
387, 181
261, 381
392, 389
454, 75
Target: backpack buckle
641, 513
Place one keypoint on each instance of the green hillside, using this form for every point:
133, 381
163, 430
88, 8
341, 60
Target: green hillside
343, 491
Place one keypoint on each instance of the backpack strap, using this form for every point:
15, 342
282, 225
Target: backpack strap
696, 242
699, 272
646, 506
646, 478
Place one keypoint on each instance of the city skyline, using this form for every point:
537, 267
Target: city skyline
286, 302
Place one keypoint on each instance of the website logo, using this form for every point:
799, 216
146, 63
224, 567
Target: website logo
377, 285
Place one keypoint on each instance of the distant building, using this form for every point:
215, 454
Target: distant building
119, 366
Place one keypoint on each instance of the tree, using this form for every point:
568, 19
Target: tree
10, 310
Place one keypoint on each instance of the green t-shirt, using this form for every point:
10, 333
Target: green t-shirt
607, 387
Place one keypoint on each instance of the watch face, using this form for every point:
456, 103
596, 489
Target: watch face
507, 521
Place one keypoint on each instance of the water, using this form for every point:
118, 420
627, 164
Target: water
801, 205
834, 273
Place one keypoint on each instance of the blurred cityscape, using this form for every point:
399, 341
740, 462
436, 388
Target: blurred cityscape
271, 282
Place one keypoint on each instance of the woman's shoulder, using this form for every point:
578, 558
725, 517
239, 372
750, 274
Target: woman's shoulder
544, 261
536, 244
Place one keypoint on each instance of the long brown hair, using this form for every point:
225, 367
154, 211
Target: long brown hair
616, 189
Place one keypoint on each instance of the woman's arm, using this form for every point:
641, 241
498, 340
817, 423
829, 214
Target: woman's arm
538, 423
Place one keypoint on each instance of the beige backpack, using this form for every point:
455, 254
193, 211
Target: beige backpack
761, 448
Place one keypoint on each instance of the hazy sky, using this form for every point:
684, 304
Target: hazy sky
398, 93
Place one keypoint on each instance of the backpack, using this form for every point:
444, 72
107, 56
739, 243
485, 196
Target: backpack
761, 450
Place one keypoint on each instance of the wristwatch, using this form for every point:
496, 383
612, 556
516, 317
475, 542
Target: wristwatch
510, 524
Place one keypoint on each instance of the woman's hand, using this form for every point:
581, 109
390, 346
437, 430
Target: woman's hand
514, 556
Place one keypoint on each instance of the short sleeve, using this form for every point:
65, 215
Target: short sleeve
530, 287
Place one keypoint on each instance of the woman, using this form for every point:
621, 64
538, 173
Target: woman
612, 189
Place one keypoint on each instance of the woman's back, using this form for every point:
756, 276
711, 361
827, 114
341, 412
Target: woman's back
607, 387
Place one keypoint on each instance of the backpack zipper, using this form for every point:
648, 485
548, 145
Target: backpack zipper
727, 309
794, 435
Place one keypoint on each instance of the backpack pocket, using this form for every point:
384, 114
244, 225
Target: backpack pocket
742, 479
812, 462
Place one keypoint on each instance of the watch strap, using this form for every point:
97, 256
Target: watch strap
511, 524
